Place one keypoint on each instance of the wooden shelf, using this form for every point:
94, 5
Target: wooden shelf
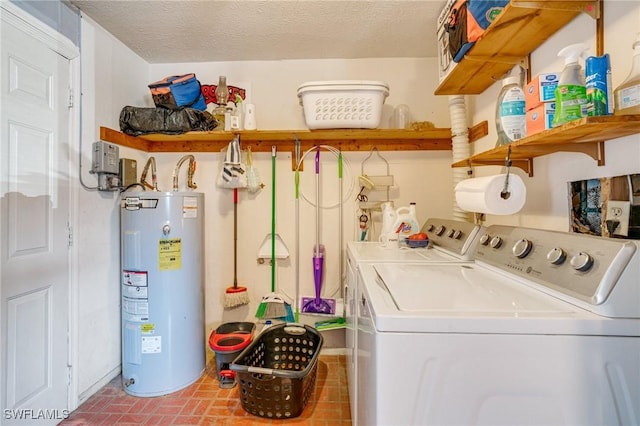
519, 30
586, 135
436, 139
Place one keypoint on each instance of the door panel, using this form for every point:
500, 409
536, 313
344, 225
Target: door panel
34, 216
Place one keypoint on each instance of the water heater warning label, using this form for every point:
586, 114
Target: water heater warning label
151, 344
169, 254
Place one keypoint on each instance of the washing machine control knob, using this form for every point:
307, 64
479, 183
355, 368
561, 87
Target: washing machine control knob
496, 242
457, 235
582, 261
430, 228
451, 233
484, 240
556, 256
522, 248
440, 230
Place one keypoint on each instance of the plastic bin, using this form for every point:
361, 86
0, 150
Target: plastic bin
343, 104
227, 341
277, 371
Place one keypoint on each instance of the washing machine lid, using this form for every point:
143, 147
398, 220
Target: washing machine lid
362, 251
470, 298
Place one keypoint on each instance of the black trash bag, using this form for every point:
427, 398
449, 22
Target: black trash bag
139, 121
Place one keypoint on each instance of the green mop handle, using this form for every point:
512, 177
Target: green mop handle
273, 218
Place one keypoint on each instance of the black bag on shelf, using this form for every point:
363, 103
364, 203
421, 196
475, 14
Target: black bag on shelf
139, 121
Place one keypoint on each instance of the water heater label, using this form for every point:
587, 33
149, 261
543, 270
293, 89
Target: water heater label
169, 254
151, 344
190, 208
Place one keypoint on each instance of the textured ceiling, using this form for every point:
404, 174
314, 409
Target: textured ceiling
220, 30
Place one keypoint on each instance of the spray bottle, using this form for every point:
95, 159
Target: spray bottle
571, 93
389, 217
598, 85
627, 95
406, 222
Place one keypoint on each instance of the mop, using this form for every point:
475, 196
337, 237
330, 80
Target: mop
273, 305
235, 295
317, 305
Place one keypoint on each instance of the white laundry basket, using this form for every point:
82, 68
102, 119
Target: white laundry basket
343, 104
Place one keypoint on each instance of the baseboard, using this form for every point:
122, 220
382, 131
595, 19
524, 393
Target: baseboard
99, 385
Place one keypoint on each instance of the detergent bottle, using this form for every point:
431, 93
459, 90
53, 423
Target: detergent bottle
511, 118
627, 95
571, 93
406, 222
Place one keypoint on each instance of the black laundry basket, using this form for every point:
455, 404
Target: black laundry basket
277, 372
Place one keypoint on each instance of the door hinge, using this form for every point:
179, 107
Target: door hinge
70, 234
70, 105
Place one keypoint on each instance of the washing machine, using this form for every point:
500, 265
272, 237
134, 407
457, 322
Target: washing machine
450, 241
542, 329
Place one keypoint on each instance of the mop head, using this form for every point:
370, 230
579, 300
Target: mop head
322, 306
236, 296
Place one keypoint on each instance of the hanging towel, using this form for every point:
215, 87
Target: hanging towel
233, 173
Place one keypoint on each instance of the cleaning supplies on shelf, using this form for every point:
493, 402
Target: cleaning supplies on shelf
598, 85
511, 118
627, 94
571, 93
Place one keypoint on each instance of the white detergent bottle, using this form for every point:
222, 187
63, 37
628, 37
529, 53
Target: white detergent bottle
406, 222
511, 116
571, 93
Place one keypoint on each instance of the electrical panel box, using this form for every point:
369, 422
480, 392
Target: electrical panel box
128, 172
105, 158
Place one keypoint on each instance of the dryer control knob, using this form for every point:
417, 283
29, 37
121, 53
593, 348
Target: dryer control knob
457, 235
440, 230
556, 256
451, 233
496, 242
522, 248
430, 228
484, 240
582, 261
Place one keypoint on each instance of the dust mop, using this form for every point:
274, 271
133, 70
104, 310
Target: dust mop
235, 295
316, 304
274, 305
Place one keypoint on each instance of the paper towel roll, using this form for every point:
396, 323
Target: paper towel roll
483, 195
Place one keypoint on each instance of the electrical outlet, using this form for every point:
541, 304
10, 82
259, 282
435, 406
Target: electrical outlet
619, 211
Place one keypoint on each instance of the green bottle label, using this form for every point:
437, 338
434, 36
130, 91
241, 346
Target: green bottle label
571, 104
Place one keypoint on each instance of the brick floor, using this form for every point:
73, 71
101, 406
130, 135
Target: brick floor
205, 403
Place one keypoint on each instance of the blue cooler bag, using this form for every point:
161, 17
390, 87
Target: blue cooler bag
178, 91
468, 19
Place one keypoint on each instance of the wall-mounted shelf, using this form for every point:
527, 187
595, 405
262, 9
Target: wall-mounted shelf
519, 30
436, 139
586, 135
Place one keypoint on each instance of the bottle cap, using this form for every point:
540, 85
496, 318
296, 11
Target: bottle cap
572, 53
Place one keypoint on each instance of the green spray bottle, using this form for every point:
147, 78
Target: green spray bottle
571, 93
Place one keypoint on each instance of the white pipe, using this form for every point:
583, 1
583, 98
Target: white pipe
460, 147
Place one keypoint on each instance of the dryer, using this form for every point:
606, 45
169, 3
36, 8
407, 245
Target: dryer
542, 329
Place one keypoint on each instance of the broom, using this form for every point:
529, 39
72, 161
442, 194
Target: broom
235, 295
274, 305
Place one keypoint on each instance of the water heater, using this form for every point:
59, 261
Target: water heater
163, 329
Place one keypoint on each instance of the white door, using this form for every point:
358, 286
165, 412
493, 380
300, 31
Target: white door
34, 236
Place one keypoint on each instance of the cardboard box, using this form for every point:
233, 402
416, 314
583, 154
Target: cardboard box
540, 118
541, 89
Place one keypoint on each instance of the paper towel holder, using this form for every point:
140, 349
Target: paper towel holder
505, 193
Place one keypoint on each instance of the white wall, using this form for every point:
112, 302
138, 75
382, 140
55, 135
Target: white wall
422, 177
112, 76
547, 203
